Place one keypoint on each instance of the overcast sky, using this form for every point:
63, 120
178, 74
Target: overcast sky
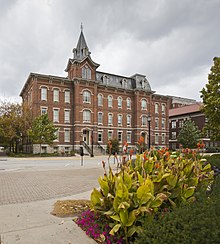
172, 42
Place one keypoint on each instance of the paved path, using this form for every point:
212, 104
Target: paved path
28, 186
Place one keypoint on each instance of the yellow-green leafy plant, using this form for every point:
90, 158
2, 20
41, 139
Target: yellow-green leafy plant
153, 181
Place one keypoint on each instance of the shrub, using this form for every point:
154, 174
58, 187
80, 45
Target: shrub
154, 181
195, 223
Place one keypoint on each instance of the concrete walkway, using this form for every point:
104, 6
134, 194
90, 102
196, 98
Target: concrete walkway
32, 223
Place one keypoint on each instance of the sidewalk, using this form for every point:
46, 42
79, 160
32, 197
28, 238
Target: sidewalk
32, 223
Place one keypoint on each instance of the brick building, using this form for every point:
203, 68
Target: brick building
90, 107
178, 115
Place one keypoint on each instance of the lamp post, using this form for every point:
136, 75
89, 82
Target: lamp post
149, 120
92, 155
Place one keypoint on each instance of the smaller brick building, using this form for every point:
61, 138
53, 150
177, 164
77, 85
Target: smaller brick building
178, 115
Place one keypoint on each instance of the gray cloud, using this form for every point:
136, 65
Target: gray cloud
171, 42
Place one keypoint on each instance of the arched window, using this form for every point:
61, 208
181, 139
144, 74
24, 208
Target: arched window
163, 109
87, 97
100, 100
119, 102
86, 72
110, 101
128, 120
128, 101
87, 116
143, 104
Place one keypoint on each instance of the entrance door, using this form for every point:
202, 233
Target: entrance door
86, 136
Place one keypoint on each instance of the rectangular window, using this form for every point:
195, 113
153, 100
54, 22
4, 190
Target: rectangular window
44, 94
67, 96
120, 136
128, 120
99, 136
163, 124
156, 123
55, 115
55, 149
110, 101
173, 135
119, 120
144, 120
173, 124
156, 138
66, 135
43, 110
163, 109
86, 116
100, 118
129, 136
163, 138
110, 135
56, 95
66, 116
110, 119
156, 108
57, 135
181, 123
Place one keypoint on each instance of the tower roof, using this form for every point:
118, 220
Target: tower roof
81, 51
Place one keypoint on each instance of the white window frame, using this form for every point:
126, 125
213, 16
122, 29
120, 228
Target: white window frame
86, 96
129, 135
163, 124
57, 133
100, 100
163, 138
86, 72
56, 116
100, 132
144, 120
120, 139
87, 116
43, 93
110, 132
156, 138
110, 101
143, 104
163, 109
128, 120
128, 101
100, 118
110, 119
120, 102
66, 115
56, 95
66, 135
173, 124
120, 118
43, 108
156, 123
67, 96
156, 108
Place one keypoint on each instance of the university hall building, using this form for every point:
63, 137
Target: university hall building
90, 107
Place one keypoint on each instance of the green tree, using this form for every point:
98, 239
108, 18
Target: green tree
189, 135
15, 120
113, 146
211, 101
42, 131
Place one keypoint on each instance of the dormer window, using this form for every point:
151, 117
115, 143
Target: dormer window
124, 83
86, 72
105, 79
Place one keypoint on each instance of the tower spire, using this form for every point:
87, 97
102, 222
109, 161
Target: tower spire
81, 27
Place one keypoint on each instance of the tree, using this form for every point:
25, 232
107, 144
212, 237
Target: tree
113, 146
15, 120
42, 131
211, 101
189, 135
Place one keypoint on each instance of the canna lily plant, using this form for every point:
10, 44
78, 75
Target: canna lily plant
154, 181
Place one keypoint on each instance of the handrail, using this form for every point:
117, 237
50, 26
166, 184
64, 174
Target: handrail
88, 149
100, 147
